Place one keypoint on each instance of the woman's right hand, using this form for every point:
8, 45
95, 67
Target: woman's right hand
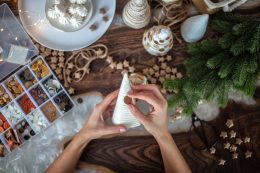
156, 122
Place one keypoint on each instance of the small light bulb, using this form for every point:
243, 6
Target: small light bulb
16, 38
2, 29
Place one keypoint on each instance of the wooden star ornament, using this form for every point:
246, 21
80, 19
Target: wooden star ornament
232, 134
227, 145
248, 154
233, 148
229, 123
223, 135
239, 141
246, 140
234, 156
212, 150
221, 161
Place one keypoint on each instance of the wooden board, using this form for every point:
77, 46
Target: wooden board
141, 154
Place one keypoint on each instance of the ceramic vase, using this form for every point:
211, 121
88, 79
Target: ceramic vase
194, 28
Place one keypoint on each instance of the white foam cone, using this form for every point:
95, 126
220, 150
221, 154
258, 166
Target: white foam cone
122, 115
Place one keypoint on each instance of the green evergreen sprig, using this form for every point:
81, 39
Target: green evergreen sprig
217, 66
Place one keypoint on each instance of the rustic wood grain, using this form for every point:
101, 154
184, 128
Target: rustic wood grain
142, 154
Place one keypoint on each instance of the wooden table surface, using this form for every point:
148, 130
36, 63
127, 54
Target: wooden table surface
141, 153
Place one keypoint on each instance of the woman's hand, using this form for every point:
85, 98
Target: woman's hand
95, 127
156, 122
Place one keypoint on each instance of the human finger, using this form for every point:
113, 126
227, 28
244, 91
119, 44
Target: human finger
149, 87
146, 96
101, 107
138, 114
108, 130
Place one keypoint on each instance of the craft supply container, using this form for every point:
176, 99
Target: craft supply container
37, 107
23, 114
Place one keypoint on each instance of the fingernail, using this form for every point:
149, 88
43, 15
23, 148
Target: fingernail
122, 130
130, 106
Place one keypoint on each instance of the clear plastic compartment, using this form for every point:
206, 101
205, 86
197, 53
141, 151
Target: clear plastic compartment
39, 112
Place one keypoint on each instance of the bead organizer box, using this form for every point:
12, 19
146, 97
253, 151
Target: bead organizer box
31, 99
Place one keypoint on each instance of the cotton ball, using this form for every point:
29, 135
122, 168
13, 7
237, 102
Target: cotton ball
76, 21
82, 11
81, 1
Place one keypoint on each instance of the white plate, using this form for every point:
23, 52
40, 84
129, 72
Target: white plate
33, 11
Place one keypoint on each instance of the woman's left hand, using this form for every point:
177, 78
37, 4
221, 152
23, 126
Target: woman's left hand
96, 127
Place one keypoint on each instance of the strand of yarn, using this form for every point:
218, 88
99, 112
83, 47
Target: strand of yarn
75, 72
172, 13
233, 6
